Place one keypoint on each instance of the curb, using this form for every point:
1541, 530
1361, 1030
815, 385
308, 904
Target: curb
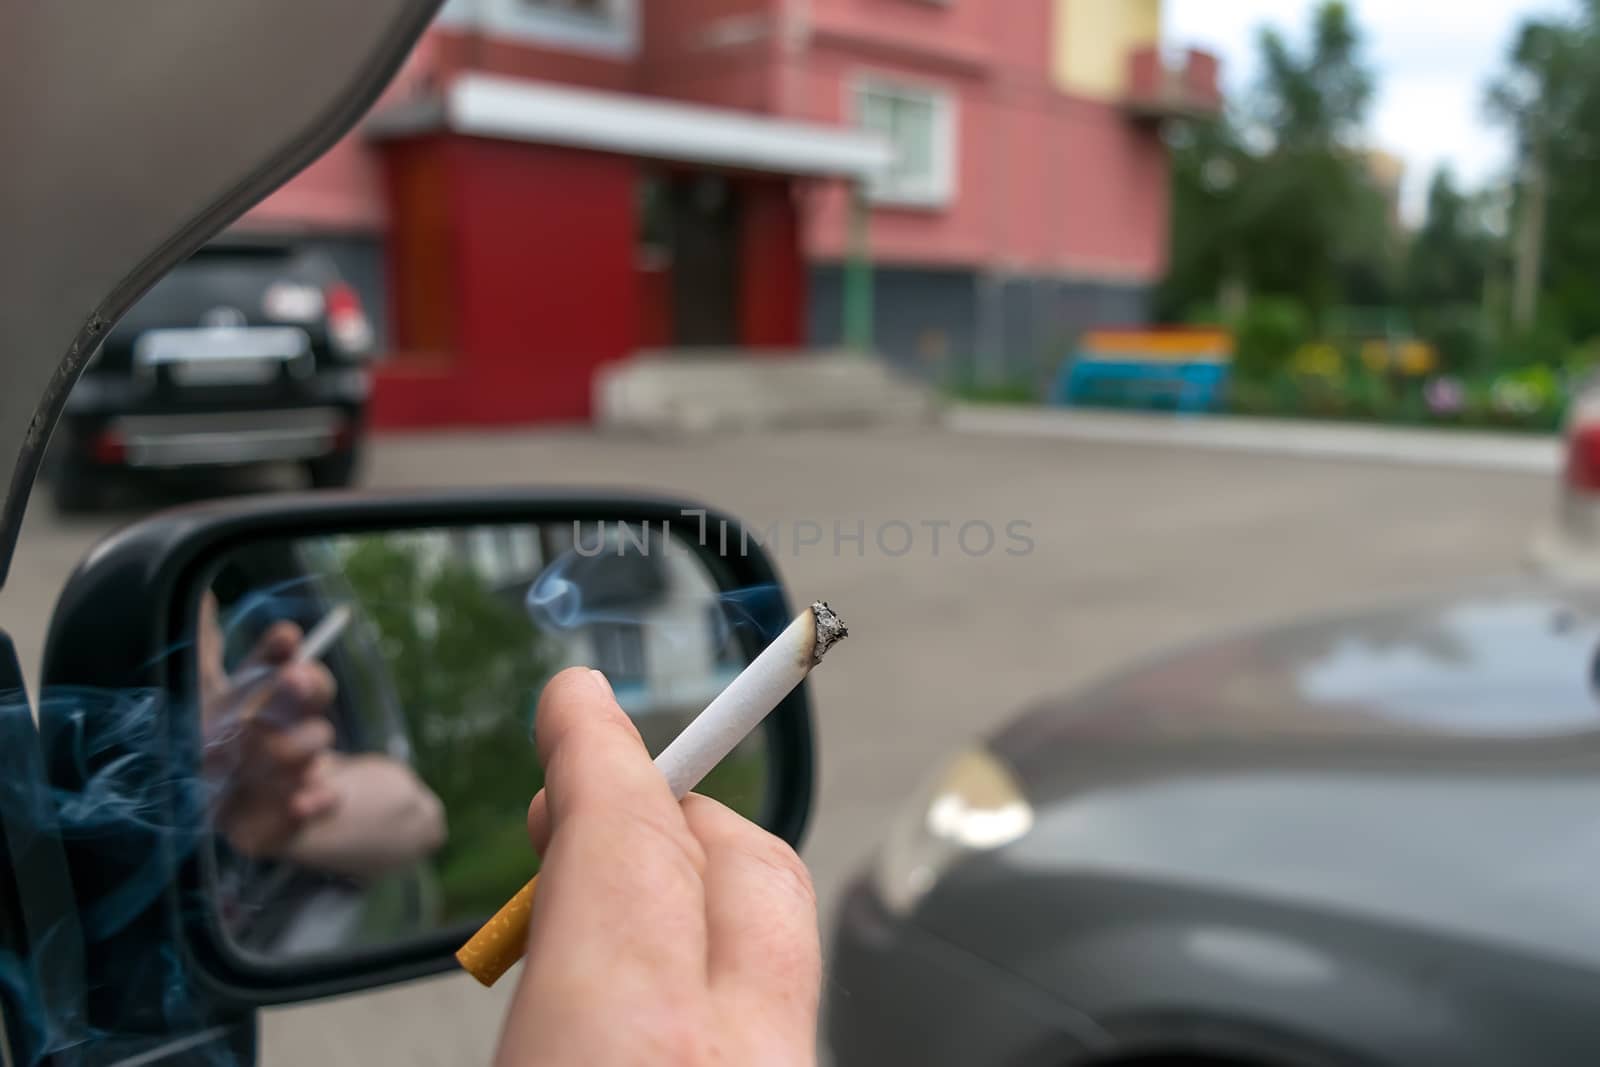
1541, 454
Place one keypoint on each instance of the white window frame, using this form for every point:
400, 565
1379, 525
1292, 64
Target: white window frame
616, 35
940, 188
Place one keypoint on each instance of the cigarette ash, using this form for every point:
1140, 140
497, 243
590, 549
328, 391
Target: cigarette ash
830, 630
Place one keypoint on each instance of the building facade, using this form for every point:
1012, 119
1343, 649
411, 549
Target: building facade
553, 184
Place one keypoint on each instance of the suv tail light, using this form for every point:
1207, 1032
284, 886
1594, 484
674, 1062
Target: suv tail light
347, 323
1583, 457
108, 446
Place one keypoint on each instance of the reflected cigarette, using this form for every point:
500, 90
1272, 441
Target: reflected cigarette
730, 717
313, 647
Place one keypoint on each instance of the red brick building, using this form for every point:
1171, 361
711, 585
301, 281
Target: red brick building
555, 184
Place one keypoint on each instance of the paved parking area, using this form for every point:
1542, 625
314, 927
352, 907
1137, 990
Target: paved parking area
1133, 548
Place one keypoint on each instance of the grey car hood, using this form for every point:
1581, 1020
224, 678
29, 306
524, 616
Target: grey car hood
1508, 660
1433, 767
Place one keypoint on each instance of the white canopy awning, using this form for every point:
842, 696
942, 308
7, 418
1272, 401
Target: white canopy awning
519, 109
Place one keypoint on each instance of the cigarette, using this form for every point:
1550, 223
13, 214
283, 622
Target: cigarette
313, 647
730, 717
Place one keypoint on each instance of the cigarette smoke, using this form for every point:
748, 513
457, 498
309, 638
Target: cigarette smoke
633, 583
102, 804
99, 810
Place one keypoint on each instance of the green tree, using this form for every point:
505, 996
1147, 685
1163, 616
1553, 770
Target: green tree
1449, 258
466, 665
1548, 96
1274, 198
1452, 268
1316, 99
1207, 260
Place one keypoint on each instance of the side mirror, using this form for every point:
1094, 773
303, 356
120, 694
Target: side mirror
313, 716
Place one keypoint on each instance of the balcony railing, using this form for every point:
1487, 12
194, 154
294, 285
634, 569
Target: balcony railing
1166, 86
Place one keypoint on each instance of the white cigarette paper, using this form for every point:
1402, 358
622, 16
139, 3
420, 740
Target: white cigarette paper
750, 698
322, 636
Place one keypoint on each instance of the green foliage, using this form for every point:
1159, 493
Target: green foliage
1203, 314
1275, 199
1320, 97
1545, 343
467, 666
1451, 256
1548, 96
1531, 400
1002, 393
1267, 337
1457, 333
1583, 360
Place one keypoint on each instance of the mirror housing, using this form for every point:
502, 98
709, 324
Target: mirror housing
124, 611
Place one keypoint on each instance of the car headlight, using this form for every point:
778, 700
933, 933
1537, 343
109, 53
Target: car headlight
973, 805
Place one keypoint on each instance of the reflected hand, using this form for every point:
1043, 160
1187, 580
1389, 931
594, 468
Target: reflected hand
661, 933
267, 737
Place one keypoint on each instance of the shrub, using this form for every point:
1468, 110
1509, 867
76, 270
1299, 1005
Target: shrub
1268, 334
1010, 392
1458, 335
1545, 343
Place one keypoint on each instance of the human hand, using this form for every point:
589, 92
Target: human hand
267, 737
661, 933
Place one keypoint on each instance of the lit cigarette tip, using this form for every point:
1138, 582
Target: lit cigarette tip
830, 630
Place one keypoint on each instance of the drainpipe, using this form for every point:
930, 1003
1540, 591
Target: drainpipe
990, 326
858, 274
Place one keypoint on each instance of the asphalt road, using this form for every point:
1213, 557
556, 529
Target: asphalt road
1133, 548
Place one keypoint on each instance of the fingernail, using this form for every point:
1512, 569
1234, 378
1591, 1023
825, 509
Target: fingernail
603, 682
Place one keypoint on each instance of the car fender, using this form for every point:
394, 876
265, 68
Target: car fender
1257, 994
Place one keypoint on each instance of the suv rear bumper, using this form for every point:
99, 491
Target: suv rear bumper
227, 438
115, 422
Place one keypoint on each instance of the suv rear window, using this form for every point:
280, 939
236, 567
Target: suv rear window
249, 253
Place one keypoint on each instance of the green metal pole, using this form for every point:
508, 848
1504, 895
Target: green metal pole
858, 275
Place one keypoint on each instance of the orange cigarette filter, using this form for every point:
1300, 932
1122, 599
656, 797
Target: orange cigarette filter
500, 942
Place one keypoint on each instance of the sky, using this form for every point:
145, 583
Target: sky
1432, 59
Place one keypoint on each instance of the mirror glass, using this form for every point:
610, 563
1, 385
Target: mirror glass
367, 705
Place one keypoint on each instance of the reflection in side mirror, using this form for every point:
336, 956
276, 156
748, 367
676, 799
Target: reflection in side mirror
367, 704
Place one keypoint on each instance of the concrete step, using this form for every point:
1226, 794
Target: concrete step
690, 391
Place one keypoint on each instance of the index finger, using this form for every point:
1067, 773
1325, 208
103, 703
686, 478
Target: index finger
208, 650
620, 889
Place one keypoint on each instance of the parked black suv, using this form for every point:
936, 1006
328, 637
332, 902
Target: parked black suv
254, 350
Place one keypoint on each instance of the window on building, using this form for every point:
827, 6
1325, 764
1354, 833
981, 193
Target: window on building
594, 10
919, 126
729, 651
619, 652
601, 27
